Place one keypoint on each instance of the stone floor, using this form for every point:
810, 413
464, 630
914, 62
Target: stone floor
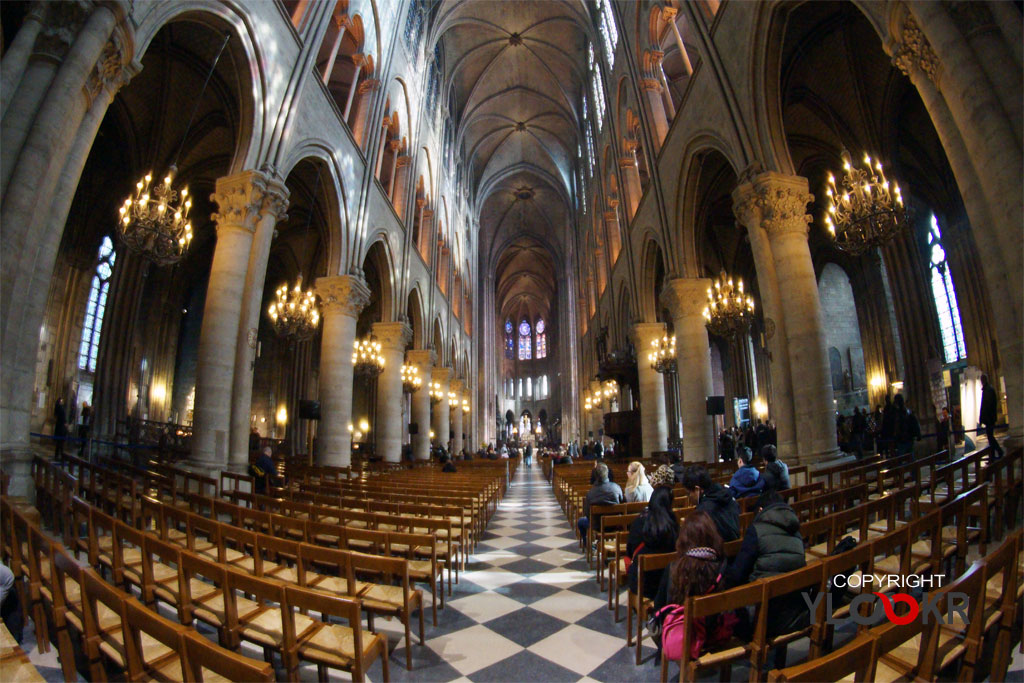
527, 609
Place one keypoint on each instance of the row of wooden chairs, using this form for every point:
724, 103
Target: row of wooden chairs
109, 624
924, 651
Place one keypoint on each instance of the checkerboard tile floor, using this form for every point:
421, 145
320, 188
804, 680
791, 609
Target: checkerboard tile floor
527, 609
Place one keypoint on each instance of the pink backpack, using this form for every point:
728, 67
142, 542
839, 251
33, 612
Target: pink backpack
673, 622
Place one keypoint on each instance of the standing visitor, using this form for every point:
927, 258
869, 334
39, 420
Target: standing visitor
987, 415
60, 428
942, 431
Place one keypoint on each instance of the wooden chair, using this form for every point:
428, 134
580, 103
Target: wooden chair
328, 644
856, 659
266, 624
739, 598
994, 627
429, 571
204, 658
239, 549
777, 590
68, 615
852, 561
390, 595
105, 618
154, 646
32, 570
636, 602
617, 571
206, 597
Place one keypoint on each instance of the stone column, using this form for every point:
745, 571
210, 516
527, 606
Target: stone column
458, 386
19, 51
783, 205
652, 389
393, 338
240, 199
342, 297
660, 106
967, 143
780, 402
358, 60
273, 204
402, 165
423, 359
685, 299
631, 179
360, 126
669, 13
341, 21
439, 419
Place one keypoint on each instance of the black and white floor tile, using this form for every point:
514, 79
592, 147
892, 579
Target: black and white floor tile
527, 609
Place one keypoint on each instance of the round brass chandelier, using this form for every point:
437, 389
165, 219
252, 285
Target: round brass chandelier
865, 210
663, 355
729, 310
435, 393
294, 314
153, 221
411, 380
367, 360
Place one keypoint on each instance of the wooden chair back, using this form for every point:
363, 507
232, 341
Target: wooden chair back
203, 656
856, 659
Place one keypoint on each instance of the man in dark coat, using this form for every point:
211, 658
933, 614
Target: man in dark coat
715, 500
987, 414
603, 492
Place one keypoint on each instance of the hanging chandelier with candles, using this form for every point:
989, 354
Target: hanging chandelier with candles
435, 393
610, 389
367, 360
587, 403
663, 355
729, 310
294, 313
865, 210
411, 380
465, 405
154, 222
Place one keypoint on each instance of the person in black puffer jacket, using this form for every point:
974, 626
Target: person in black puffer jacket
773, 545
715, 500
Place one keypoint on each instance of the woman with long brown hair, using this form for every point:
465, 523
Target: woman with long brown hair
696, 571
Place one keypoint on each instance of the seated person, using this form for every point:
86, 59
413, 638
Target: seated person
716, 500
10, 604
603, 492
697, 570
746, 481
653, 531
772, 545
447, 464
263, 472
776, 472
638, 489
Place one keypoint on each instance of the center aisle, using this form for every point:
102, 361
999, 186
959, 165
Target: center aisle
527, 608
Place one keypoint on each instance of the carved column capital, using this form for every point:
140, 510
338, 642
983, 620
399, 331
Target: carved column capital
244, 198
424, 359
911, 50
369, 85
345, 294
403, 161
650, 84
441, 374
115, 67
668, 13
775, 202
61, 25
684, 297
395, 335
458, 385
642, 334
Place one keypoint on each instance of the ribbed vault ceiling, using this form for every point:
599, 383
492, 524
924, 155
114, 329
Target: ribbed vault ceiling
514, 71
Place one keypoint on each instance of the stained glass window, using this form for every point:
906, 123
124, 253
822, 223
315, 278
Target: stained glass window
945, 298
609, 34
89, 349
525, 341
542, 340
509, 346
596, 86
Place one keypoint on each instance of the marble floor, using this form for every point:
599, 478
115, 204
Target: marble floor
527, 609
